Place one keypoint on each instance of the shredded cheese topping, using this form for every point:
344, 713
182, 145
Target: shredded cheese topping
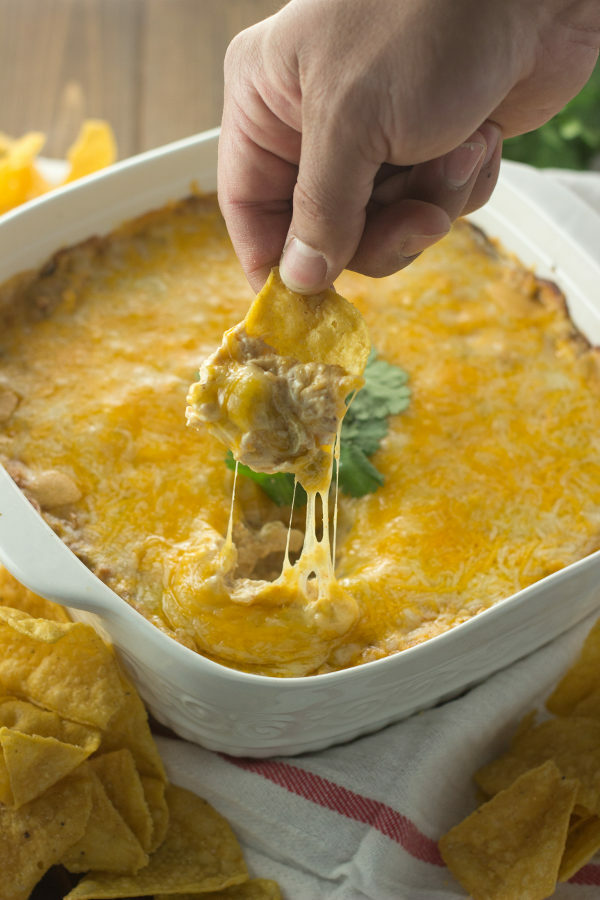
492, 475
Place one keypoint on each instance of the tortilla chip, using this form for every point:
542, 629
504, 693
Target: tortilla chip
581, 680
583, 842
124, 789
30, 719
107, 842
129, 728
323, 327
17, 596
93, 149
155, 793
65, 667
256, 889
588, 706
572, 743
512, 845
199, 854
34, 837
30, 764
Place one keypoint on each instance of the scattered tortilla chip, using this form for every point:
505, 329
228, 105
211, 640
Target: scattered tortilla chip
583, 842
124, 789
581, 680
29, 764
512, 845
572, 743
35, 837
256, 889
94, 148
323, 327
199, 854
65, 667
129, 728
154, 791
30, 719
589, 706
107, 842
16, 595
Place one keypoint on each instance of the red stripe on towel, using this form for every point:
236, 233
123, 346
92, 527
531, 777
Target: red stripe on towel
366, 810
347, 803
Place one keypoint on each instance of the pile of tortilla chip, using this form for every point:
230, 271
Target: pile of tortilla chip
82, 785
541, 820
20, 177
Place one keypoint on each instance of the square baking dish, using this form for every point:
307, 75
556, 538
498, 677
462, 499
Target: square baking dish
255, 715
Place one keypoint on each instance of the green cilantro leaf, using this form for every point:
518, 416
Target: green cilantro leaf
366, 423
279, 487
358, 476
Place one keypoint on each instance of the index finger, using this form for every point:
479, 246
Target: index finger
255, 188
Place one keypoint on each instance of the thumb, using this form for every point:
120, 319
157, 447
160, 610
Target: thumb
332, 190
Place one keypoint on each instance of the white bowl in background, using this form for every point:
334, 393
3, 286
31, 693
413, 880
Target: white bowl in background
255, 715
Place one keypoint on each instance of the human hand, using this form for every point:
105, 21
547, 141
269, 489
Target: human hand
355, 132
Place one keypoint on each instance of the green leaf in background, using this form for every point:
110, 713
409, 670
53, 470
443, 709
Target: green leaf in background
385, 393
570, 140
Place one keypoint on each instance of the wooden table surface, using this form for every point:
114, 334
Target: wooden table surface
152, 68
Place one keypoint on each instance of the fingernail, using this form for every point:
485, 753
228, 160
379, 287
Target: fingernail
460, 164
416, 243
492, 134
302, 268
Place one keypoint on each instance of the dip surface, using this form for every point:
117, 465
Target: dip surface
492, 475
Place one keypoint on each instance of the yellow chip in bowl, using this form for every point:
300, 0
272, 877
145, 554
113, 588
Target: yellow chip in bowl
94, 148
17, 172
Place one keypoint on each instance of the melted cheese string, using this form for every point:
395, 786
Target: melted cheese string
229, 552
317, 559
336, 456
286, 558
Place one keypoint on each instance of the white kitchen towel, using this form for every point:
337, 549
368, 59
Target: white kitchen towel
362, 820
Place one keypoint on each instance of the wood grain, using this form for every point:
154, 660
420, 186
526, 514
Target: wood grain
152, 68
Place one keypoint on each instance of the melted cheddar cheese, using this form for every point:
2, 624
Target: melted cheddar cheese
492, 475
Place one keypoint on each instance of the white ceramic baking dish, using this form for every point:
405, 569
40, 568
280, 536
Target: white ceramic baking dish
257, 715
